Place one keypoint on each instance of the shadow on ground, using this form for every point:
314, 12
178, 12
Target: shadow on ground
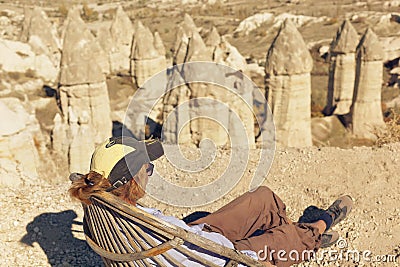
54, 233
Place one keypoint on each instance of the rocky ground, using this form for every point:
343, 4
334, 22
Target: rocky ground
41, 226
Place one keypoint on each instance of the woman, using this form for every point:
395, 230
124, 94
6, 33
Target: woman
122, 166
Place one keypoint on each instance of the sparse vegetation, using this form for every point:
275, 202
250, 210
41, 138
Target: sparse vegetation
89, 14
62, 10
392, 132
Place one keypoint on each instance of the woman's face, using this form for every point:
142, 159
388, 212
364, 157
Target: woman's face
143, 176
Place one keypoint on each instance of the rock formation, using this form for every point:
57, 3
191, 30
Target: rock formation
146, 60
366, 110
19, 57
288, 86
342, 70
187, 107
91, 48
158, 44
213, 38
23, 153
148, 70
84, 96
121, 32
40, 33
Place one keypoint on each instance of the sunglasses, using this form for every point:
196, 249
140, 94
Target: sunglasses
150, 169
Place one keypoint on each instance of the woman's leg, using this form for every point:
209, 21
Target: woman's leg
286, 244
239, 219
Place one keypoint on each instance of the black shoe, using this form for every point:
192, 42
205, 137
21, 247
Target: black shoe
340, 209
329, 238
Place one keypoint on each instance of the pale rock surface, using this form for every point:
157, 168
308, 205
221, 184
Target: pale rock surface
19, 57
253, 22
327, 131
228, 55
191, 129
38, 28
158, 44
19, 157
213, 38
121, 28
288, 86
342, 70
298, 20
391, 48
4, 21
83, 60
180, 46
146, 59
84, 97
121, 32
366, 111
148, 68
104, 38
188, 24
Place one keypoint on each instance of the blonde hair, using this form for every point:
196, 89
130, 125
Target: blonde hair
83, 188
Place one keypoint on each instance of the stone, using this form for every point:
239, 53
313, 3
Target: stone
19, 57
86, 109
288, 87
288, 42
229, 55
346, 39
180, 47
188, 24
328, 131
83, 60
146, 59
366, 110
391, 46
104, 39
158, 44
19, 157
121, 28
12, 122
121, 33
36, 23
213, 38
197, 50
83, 95
342, 70
253, 22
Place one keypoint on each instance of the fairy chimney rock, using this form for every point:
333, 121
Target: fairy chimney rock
37, 23
288, 53
213, 38
366, 109
143, 44
158, 44
188, 24
342, 70
121, 28
370, 48
104, 38
197, 50
80, 50
288, 87
346, 39
146, 58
